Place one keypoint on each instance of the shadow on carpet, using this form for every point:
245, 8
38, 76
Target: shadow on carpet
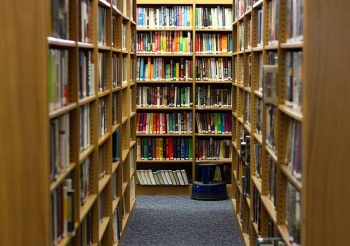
179, 220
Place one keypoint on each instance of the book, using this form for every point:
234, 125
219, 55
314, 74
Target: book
270, 78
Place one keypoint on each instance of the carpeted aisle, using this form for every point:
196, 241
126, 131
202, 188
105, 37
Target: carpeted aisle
179, 220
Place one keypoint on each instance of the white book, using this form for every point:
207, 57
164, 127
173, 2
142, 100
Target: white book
153, 181
184, 176
179, 176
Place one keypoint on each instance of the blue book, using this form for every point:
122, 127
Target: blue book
140, 19
142, 72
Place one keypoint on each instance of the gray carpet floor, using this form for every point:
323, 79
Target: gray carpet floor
179, 220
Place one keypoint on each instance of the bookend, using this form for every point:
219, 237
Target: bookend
209, 184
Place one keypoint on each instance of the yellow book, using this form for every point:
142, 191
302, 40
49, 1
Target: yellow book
177, 71
150, 123
160, 148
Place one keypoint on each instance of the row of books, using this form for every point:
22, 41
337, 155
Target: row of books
271, 180
213, 69
294, 148
257, 156
273, 7
169, 148
102, 26
115, 70
213, 149
271, 125
102, 71
164, 42
62, 211
295, 19
153, 69
164, 17
219, 17
84, 126
213, 43
211, 97
256, 207
60, 19
86, 74
84, 181
239, 8
59, 146
293, 78
85, 21
293, 213
168, 95
164, 123
58, 78
162, 177
86, 230
246, 108
102, 116
214, 123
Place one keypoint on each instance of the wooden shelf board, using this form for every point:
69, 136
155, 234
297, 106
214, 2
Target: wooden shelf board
162, 82
115, 203
295, 114
269, 206
240, 119
247, 127
103, 182
61, 177
117, 88
116, 50
61, 42
240, 85
246, 239
292, 45
256, 228
115, 166
85, 45
234, 114
84, 209
283, 231
213, 134
248, 12
258, 4
258, 93
125, 153
214, 161
103, 138
132, 114
214, 81
124, 119
248, 89
163, 108
155, 29
85, 153
164, 190
234, 174
163, 135
272, 153
104, 93
271, 47
165, 54
104, 47
154, 161
224, 108
115, 127
86, 100
104, 3
248, 201
258, 138
124, 185
64, 241
257, 183
248, 50
62, 111
234, 144
102, 227
132, 143
258, 48
291, 177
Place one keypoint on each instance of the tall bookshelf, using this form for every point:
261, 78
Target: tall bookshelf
72, 181
282, 177
196, 75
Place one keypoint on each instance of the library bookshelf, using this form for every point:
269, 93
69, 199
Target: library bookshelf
185, 87
67, 167
282, 172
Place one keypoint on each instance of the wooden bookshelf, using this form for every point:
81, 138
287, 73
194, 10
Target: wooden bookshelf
189, 55
285, 191
53, 46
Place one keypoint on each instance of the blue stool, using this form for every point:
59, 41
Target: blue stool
205, 187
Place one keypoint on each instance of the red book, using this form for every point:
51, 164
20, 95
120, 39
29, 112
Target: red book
171, 148
227, 116
157, 123
164, 130
138, 122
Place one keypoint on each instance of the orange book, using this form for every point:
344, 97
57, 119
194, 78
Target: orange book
149, 62
155, 122
224, 43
